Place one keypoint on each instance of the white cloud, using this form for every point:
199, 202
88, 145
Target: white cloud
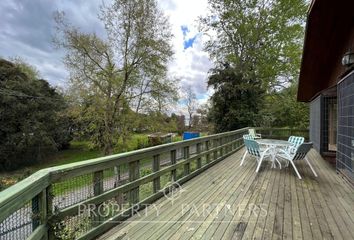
27, 28
191, 65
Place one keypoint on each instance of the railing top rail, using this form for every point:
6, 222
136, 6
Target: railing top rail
42, 178
104, 162
279, 129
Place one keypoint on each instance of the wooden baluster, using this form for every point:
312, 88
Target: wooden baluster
199, 150
215, 145
40, 211
155, 168
36, 207
207, 143
221, 142
228, 141
49, 209
97, 190
187, 166
117, 182
134, 173
233, 144
173, 162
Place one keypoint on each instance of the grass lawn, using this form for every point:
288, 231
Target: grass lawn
78, 151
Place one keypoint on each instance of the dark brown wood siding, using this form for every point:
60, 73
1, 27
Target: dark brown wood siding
329, 34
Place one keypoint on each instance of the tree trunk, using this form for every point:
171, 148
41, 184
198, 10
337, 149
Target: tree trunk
108, 138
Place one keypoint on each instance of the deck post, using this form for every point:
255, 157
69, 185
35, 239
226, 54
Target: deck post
49, 209
43, 210
229, 144
173, 162
134, 173
207, 143
155, 168
36, 211
97, 190
186, 156
117, 182
199, 160
234, 143
221, 142
215, 145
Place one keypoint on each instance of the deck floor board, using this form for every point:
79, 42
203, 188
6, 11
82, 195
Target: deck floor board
229, 201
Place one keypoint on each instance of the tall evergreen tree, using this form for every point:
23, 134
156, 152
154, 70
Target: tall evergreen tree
32, 122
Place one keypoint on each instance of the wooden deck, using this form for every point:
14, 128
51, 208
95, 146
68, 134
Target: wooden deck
232, 202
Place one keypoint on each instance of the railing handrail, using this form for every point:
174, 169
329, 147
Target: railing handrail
15, 195
133, 155
279, 129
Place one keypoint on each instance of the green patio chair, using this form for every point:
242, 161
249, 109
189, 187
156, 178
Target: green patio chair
253, 133
300, 154
296, 141
253, 149
249, 137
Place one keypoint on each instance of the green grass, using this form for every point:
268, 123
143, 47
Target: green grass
78, 151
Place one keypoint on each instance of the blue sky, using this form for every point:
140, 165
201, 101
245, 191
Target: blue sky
27, 28
188, 42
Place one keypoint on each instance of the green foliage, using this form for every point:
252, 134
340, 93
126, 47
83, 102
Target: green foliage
282, 110
32, 122
260, 38
259, 43
111, 77
236, 100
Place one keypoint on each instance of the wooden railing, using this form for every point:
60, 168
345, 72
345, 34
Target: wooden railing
61, 202
283, 133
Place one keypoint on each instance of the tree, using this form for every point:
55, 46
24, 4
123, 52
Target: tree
283, 110
257, 44
32, 122
191, 104
181, 122
107, 73
236, 100
260, 38
203, 121
155, 94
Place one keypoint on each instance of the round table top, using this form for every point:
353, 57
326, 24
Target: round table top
273, 142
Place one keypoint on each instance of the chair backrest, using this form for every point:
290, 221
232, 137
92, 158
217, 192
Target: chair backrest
296, 141
252, 147
302, 150
252, 132
247, 136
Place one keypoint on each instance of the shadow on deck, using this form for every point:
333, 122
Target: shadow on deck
232, 202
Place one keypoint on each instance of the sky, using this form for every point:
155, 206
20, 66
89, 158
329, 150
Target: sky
27, 27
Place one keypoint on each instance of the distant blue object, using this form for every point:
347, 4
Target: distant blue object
190, 135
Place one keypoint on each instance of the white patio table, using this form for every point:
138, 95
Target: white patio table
274, 145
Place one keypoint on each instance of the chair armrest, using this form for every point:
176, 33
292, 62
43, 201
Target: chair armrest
292, 149
285, 154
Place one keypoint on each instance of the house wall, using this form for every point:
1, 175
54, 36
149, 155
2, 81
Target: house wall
345, 137
315, 123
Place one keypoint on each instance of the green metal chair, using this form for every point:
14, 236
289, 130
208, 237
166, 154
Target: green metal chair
296, 141
248, 136
300, 154
253, 133
253, 149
